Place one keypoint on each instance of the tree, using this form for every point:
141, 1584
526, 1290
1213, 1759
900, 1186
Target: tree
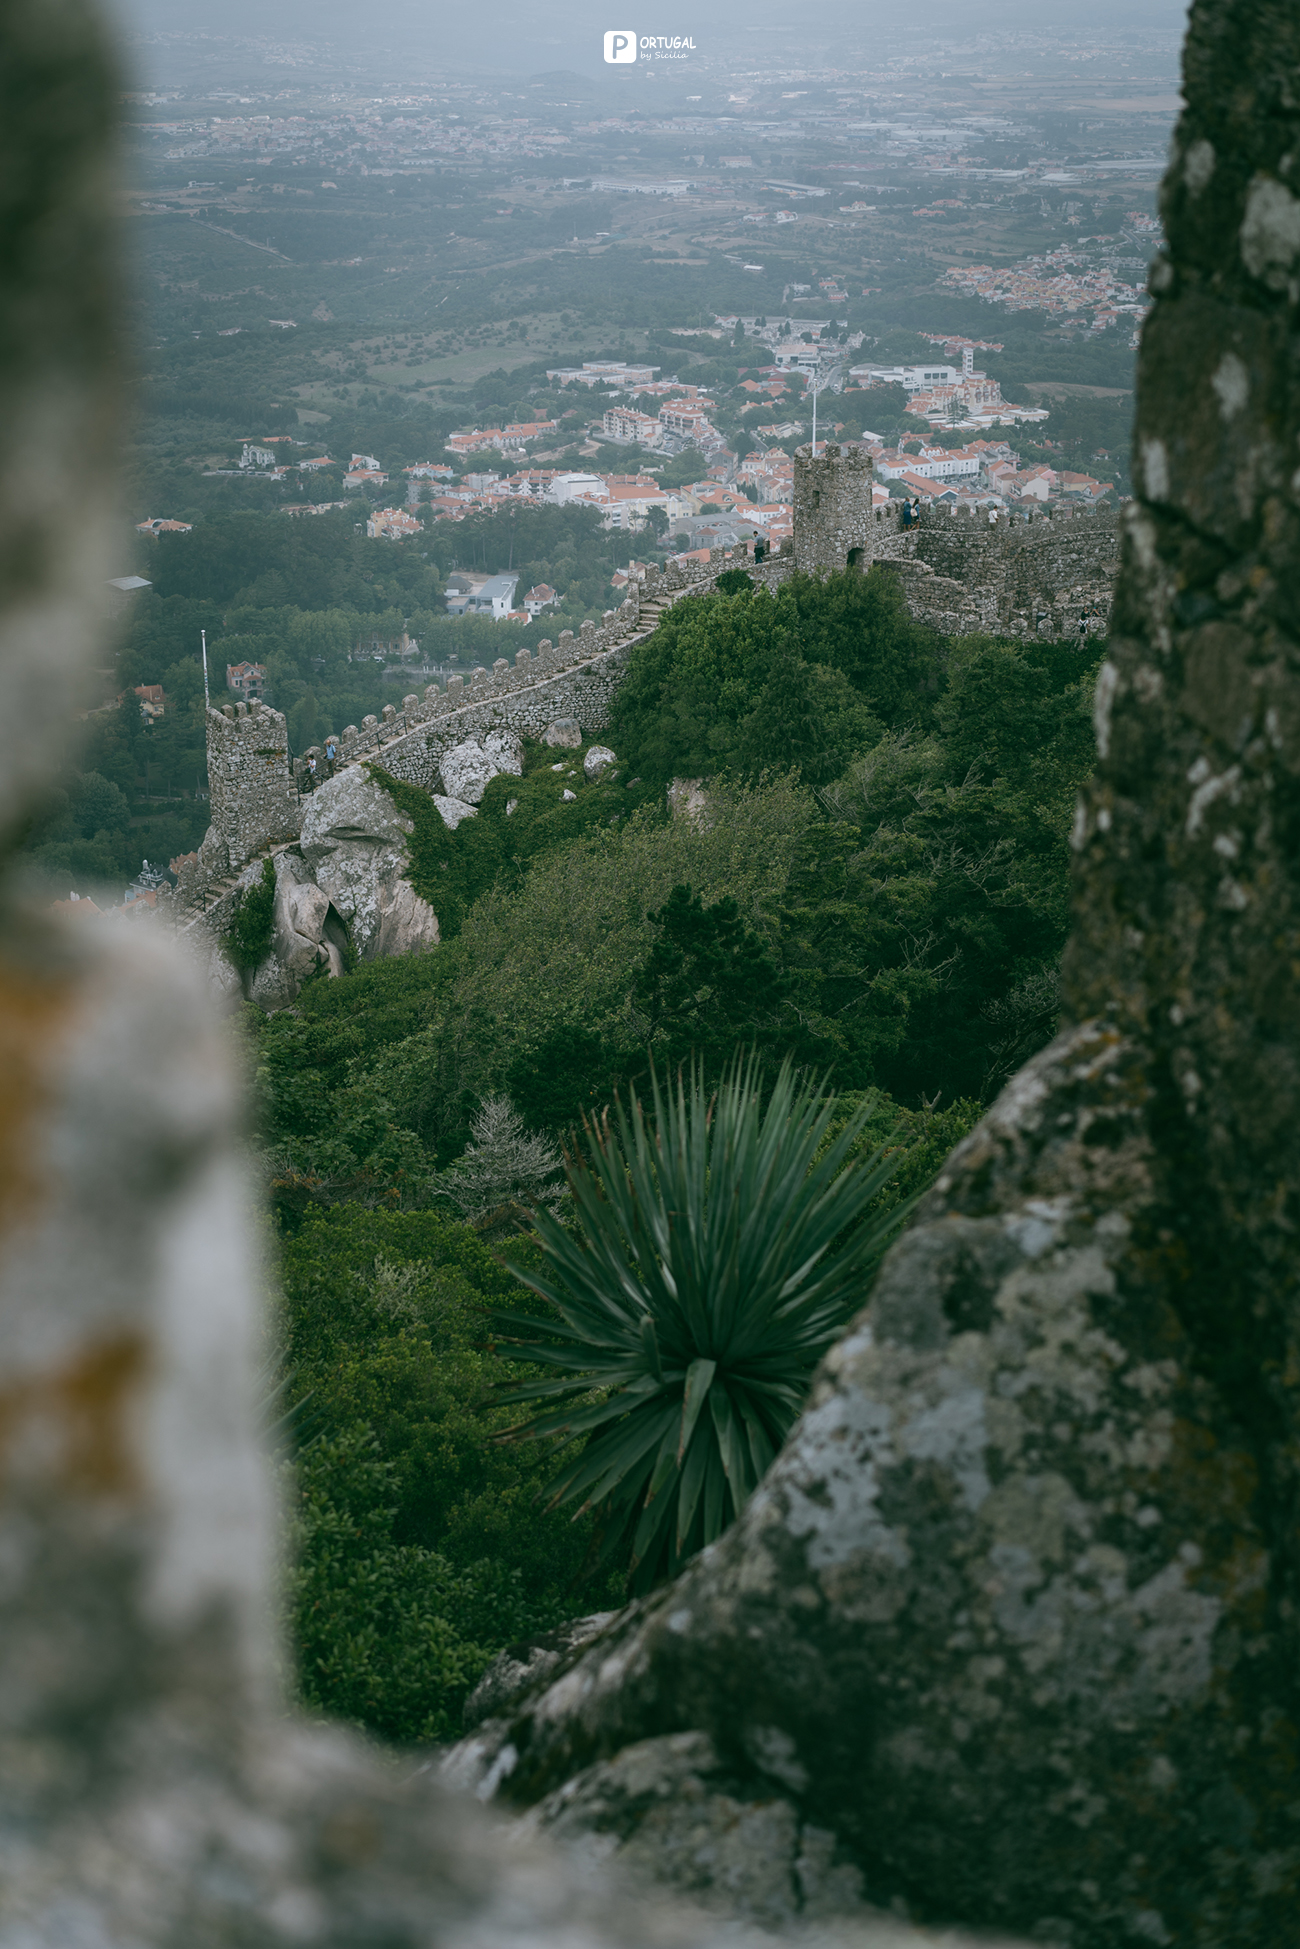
99, 806
709, 983
505, 1172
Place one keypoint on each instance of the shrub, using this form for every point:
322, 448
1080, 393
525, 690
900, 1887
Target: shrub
388, 1635
419, 1549
252, 922
721, 1254
452, 869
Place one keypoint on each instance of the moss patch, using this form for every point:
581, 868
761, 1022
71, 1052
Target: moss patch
452, 869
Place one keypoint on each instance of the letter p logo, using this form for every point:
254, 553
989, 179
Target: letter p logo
620, 45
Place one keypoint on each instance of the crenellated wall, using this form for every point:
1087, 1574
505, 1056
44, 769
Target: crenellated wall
1011, 571
1042, 573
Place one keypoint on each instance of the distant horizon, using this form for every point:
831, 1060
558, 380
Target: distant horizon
504, 37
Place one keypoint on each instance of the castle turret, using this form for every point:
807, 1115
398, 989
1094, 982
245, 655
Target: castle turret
251, 792
832, 509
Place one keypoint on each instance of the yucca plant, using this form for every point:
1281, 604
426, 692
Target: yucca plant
722, 1250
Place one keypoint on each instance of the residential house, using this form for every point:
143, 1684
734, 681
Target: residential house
1036, 484
157, 526
932, 463
391, 524
152, 702
539, 597
495, 598
363, 476
249, 679
504, 438
625, 424
1083, 487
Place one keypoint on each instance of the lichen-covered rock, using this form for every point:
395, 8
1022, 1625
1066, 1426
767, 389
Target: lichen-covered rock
687, 799
407, 923
469, 768
521, 1667
675, 1814
998, 1616
354, 843
225, 983
300, 944
597, 760
452, 811
565, 732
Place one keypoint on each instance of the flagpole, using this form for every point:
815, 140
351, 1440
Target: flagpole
203, 637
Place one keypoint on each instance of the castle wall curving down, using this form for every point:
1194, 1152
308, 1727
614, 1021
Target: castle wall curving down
961, 570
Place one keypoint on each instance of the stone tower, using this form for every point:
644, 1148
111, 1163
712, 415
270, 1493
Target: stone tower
832, 509
254, 801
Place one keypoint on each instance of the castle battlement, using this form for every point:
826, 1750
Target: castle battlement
833, 526
1039, 572
252, 795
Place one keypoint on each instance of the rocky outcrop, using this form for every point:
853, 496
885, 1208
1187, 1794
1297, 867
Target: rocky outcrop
354, 845
597, 760
469, 768
997, 1618
565, 732
407, 924
452, 811
521, 1667
309, 933
675, 1814
687, 799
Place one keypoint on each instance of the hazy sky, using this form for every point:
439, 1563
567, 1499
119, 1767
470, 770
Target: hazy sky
513, 36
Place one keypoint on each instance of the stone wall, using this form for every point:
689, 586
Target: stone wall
256, 794
1033, 572
1023, 572
574, 677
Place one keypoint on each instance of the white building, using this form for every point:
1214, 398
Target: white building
932, 463
495, 598
609, 372
913, 378
624, 423
564, 488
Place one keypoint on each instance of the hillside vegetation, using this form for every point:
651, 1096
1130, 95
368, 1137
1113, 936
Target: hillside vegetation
875, 889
